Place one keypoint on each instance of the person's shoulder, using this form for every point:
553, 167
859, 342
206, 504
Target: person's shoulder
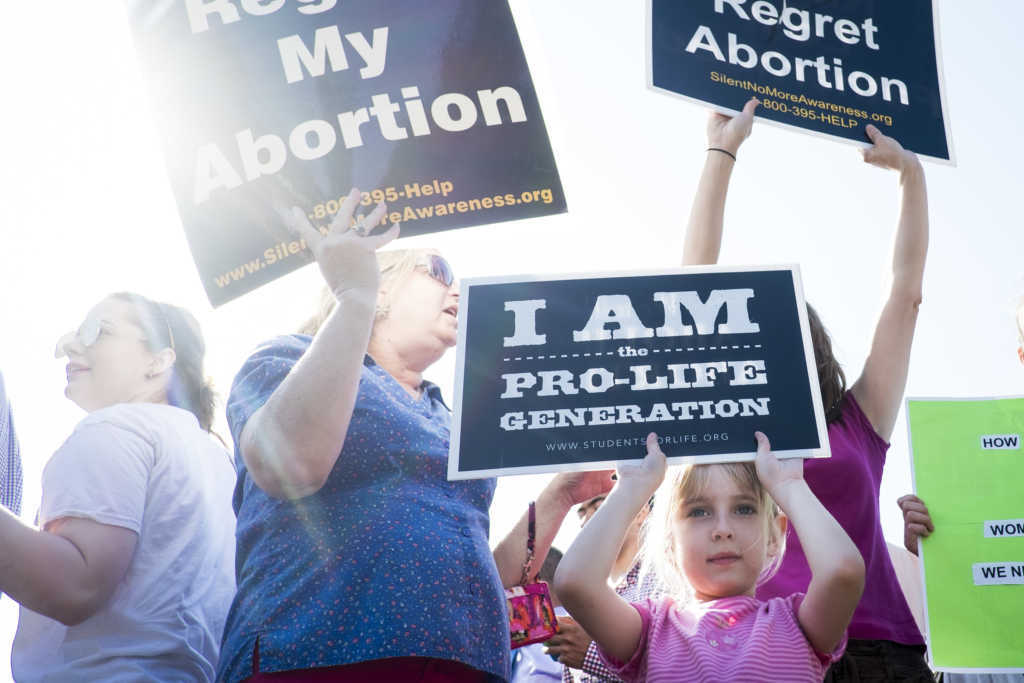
853, 422
666, 609
273, 356
107, 435
285, 345
782, 611
780, 604
145, 420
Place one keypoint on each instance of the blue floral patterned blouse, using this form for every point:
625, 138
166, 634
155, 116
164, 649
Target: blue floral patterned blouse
388, 559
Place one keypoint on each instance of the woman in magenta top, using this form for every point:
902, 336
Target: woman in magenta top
885, 643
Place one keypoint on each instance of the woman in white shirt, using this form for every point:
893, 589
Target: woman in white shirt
131, 571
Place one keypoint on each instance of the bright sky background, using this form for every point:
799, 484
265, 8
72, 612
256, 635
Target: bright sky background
87, 210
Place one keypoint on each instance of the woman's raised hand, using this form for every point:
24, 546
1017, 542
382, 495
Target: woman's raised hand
886, 152
346, 253
728, 133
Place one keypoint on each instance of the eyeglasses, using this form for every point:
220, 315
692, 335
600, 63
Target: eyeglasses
88, 333
440, 270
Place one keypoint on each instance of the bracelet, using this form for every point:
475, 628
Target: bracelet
723, 151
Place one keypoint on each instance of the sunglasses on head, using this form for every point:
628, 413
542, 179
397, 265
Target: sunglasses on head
440, 270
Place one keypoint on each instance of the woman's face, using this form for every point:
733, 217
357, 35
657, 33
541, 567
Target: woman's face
108, 359
423, 311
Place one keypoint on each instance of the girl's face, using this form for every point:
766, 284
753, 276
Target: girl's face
108, 360
721, 538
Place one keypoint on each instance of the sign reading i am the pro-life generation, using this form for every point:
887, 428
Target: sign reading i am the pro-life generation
828, 67
573, 372
428, 106
968, 467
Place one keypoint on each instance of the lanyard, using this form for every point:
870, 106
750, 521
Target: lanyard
531, 537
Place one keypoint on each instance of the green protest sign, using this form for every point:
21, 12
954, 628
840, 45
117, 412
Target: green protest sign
968, 463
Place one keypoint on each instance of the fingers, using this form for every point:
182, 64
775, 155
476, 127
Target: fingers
559, 650
918, 522
377, 241
763, 444
750, 106
872, 155
555, 653
343, 219
373, 220
297, 220
920, 530
566, 626
909, 496
912, 503
568, 632
652, 445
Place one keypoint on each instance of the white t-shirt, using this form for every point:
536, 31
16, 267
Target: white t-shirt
151, 469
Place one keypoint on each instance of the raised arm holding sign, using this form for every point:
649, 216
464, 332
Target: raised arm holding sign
951, 439
973, 555
825, 68
860, 419
427, 105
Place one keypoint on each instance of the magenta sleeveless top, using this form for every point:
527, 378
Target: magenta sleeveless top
848, 485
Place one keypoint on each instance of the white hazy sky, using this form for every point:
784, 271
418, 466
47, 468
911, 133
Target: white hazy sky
86, 209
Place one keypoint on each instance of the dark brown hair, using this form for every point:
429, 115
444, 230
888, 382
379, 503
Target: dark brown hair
831, 378
169, 326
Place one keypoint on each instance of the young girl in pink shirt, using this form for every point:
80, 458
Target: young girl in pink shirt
718, 535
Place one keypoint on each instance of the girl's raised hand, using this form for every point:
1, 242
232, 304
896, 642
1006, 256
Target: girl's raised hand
644, 475
775, 474
728, 133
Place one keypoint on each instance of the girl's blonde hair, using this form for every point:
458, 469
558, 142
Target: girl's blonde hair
395, 266
658, 550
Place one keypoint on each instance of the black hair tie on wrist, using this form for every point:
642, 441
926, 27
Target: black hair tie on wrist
723, 151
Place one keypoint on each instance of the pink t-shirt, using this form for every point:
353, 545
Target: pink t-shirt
732, 639
848, 485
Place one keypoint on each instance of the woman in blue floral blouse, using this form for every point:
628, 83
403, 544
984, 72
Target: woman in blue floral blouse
356, 558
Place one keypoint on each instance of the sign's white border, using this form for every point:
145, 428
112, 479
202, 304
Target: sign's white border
466, 293
649, 44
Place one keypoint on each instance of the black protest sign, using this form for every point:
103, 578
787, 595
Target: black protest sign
428, 106
572, 373
827, 67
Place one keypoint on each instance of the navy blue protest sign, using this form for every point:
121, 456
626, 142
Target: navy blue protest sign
829, 67
566, 373
428, 106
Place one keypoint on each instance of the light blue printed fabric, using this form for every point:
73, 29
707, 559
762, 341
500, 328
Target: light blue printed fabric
388, 559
